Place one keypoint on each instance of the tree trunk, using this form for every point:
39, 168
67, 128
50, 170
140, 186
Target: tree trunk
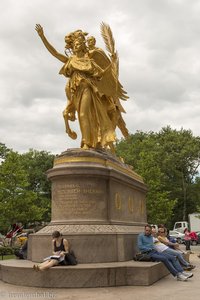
184, 187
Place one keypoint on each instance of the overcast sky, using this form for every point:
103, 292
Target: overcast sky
158, 42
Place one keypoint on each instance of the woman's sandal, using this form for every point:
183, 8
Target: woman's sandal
36, 267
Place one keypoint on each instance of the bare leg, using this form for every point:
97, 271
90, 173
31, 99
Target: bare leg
37, 268
43, 264
46, 265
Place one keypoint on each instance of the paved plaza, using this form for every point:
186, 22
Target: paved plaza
165, 289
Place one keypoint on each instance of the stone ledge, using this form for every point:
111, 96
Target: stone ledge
91, 228
127, 273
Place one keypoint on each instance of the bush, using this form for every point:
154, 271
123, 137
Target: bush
6, 251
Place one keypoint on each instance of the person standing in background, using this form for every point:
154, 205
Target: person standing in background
187, 239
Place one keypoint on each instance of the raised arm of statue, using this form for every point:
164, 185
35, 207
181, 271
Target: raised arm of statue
49, 47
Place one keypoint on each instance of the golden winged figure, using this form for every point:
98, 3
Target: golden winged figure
93, 90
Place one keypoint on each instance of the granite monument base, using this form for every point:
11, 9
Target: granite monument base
98, 204
128, 273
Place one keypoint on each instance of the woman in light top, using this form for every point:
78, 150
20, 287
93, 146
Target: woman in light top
162, 244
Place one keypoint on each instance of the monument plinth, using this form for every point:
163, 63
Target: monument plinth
98, 203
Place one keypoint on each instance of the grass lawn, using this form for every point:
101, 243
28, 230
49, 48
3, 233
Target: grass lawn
7, 257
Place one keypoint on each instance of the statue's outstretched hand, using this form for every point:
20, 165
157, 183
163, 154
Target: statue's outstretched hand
39, 29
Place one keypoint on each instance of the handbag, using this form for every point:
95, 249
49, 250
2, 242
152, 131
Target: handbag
142, 257
70, 258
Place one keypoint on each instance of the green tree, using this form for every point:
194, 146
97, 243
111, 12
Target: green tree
17, 201
180, 160
3, 151
195, 196
37, 163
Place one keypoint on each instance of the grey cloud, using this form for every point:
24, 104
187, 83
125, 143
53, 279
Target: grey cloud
158, 45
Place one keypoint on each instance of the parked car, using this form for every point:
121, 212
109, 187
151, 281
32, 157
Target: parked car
177, 235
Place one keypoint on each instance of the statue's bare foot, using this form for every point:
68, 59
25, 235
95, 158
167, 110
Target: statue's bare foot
85, 147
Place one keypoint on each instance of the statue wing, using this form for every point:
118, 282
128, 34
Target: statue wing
109, 84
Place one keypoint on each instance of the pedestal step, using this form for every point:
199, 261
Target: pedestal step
20, 272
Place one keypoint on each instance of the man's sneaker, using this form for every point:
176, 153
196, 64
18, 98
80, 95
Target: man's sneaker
181, 277
187, 274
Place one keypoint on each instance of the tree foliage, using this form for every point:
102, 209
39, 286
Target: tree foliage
24, 190
37, 163
168, 161
3, 151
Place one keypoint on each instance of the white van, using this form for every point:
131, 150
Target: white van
180, 226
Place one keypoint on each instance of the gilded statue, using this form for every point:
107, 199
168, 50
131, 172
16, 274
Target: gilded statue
93, 90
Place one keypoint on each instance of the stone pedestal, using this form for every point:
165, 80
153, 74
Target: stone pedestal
98, 203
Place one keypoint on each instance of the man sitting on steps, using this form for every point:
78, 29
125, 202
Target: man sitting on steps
146, 245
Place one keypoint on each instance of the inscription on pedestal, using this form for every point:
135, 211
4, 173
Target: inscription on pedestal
81, 200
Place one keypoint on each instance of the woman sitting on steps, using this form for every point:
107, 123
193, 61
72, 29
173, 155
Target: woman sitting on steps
60, 248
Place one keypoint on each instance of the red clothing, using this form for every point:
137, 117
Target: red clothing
187, 236
193, 235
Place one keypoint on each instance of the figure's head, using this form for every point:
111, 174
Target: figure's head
91, 42
79, 46
69, 38
73, 37
162, 231
147, 230
153, 230
56, 234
